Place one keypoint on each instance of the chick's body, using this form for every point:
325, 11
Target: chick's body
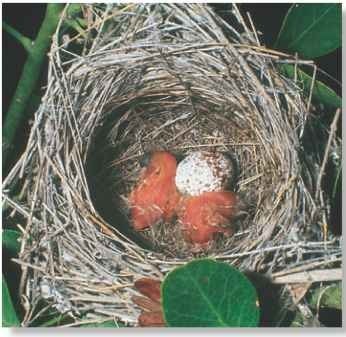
204, 215
155, 197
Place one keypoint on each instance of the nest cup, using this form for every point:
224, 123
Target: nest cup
157, 77
187, 99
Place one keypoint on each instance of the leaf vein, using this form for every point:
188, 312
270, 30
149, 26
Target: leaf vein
307, 30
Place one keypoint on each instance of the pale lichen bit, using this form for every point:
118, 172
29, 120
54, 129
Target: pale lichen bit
201, 172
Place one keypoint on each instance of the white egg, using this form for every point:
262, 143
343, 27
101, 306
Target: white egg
203, 172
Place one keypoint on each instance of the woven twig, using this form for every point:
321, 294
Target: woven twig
166, 76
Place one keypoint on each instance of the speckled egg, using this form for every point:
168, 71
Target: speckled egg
203, 172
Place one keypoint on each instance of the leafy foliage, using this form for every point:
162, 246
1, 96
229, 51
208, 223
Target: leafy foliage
311, 30
321, 92
329, 297
9, 316
207, 293
325, 299
203, 292
10, 240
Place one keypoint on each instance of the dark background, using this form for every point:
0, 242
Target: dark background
27, 18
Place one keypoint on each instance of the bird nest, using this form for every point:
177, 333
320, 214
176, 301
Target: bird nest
143, 78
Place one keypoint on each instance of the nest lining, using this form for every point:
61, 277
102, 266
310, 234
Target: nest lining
171, 80
179, 130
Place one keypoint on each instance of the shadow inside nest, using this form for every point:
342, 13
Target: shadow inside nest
122, 146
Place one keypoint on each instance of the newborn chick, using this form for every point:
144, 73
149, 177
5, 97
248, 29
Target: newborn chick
155, 198
204, 215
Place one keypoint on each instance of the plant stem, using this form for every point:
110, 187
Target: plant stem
29, 77
23, 40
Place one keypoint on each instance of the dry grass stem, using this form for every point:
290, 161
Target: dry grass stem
147, 77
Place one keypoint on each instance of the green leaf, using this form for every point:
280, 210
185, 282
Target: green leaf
10, 240
9, 316
75, 19
321, 93
205, 293
311, 30
74, 9
328, 297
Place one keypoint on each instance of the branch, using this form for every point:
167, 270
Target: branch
310, 276
23, 40
29, 77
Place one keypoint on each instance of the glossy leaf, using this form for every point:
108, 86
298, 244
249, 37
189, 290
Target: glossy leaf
311, 30
9, 316
321, 93
205, 293
10, 240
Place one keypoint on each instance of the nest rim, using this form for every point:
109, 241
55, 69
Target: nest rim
57, 153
